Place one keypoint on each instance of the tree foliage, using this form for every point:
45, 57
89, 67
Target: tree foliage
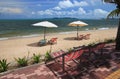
116, 12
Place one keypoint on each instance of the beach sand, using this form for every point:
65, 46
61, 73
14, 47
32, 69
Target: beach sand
19, 47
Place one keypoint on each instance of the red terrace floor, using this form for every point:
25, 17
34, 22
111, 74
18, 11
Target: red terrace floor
32, 72
40, 71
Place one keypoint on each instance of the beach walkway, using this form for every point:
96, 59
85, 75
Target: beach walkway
42, 72
32, 72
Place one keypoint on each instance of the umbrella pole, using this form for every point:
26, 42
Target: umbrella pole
44, 32
77, 32
50, 48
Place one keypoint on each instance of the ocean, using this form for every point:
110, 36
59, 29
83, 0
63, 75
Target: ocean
24, 28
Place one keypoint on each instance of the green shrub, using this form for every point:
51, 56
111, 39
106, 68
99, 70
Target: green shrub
3, 65
109, 40
22, 61
91, 44
47, 56
70, 49
36, 58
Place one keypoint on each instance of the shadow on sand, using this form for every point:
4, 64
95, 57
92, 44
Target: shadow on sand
33, 44
36, 45
70, 38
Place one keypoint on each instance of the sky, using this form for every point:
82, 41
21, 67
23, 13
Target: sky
37, 9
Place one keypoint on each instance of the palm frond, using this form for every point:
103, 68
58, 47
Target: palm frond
112, 1
114, 13
117, 2
109, 1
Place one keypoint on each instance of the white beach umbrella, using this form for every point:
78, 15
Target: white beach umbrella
77, 24
45, 24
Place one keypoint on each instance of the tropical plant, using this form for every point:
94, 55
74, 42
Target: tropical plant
115, 13
36, 58
47, 56
70, 49
109, 40
22, 61
3, 65
92, 44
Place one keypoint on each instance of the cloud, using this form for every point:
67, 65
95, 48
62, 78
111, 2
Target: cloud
46, 12
10, 10
65, 4
100, 12
33, 13
38, 4
69, 4
95, 2
57, 8
80, 13
82, 3
50, 12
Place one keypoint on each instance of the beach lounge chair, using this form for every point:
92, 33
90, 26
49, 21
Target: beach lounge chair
96, 49
117, 57
63, 57
63, 60
99, 48
100, 58
87, 36
80, 37
42, 42
53, 41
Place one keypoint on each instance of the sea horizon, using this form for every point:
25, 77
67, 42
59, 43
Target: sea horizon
19, 28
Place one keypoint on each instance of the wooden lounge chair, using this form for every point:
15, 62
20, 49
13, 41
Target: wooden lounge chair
100, 59
53, 41
63, 58
87, 36
80, 37
117, 57
56, 54
99, 48
96, 49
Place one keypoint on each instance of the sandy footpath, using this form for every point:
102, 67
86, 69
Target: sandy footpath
20, 47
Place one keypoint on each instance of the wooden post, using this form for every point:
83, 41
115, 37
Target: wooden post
63, 63
77, 32
44, 32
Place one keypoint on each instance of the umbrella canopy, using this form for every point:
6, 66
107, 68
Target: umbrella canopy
45, 24
77, 24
